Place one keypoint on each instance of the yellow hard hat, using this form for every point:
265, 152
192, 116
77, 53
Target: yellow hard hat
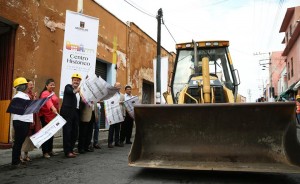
20, 80
76, 75
298, 97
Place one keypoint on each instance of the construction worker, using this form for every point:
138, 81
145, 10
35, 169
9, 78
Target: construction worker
21, 123
70, 112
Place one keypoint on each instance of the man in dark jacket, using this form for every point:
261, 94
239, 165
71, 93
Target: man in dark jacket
70, 112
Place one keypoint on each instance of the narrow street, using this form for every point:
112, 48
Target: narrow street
108, 166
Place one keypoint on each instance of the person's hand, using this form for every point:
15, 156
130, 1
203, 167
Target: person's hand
35, 95
76, 90
54, 110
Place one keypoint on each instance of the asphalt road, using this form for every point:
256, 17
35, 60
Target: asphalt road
109, 166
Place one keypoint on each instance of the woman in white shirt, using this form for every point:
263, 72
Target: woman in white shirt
21, 123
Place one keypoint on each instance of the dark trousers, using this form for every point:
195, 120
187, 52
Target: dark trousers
86, 133
21, 131
70, 129
114, 129
47, 147
126, 128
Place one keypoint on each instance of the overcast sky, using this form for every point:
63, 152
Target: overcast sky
251, 26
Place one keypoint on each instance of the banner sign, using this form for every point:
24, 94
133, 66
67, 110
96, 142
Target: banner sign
129, 105
80, 47
48, 131
113, 111
93, 89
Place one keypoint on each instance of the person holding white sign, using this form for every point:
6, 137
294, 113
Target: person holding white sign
114, 129
70, 112
127, 125
21, 123
47, 113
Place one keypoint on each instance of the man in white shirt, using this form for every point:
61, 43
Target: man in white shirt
114, 129
127, 124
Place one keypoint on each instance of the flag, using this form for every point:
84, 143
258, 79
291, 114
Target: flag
22, 106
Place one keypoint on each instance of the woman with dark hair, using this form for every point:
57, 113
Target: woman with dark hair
21, 123
34, 127
47, 113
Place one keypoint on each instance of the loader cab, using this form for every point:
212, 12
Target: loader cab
219, 65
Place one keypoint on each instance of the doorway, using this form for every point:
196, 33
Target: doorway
148, 92
7, 48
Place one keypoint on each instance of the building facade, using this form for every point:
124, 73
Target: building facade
31, 44
291, 27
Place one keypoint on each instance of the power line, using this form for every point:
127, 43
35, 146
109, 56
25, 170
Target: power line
280, 5
169, 31
143, 11
139, 9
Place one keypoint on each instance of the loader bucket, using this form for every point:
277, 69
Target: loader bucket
252, 137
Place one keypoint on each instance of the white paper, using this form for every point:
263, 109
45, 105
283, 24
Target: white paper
48, 131
113, 111
129, 105
94, 89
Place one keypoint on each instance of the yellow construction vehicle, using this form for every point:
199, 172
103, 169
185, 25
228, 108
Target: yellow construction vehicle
203, 127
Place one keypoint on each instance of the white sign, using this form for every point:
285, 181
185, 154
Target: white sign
129, 105
80, 47
48, 131
94, 89
113, 111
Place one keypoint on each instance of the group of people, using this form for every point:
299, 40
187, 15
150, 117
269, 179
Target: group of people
81, 120
28, 124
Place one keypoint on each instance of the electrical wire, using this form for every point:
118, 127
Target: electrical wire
280, 5
143, 11
139, 9
168, 31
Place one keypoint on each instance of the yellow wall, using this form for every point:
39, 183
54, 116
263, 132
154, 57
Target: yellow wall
4, 122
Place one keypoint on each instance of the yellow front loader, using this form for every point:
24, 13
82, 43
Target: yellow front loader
204, 127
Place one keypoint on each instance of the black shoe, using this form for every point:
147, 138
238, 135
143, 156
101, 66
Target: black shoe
89, 150
129, 142
119, 145
97, 146
81, 151
110, 146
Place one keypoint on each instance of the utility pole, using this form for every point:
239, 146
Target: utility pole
158, 61
80, 6
270, 90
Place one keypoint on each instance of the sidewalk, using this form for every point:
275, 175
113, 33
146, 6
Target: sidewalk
5, 154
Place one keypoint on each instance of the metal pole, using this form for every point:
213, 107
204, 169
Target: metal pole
80, 6
158, 62
271, 99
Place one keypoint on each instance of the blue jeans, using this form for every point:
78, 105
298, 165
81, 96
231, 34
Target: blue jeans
96, 128
298, 117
